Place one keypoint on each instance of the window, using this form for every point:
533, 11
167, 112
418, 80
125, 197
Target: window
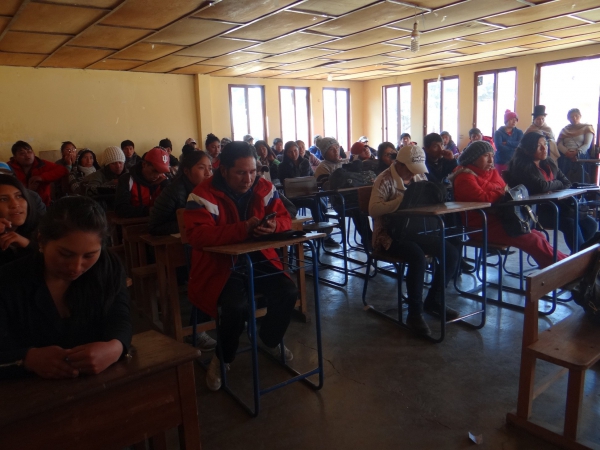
495, 93
396, 111
294, 112
441, 106
563, 85
336, 110
247, 109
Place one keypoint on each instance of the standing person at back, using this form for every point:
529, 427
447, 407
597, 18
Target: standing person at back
131, 157
35, 173
138, 189
507, 140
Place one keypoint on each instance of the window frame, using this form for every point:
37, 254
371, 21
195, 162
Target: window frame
336, 89
384, 134
425, 112
308, 111
495, 104
264, 107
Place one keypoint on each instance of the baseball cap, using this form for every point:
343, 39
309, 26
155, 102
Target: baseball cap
190, 141
413, 157
357, 148
363, 139
159, 159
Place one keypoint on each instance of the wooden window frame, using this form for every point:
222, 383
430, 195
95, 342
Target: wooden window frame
434, 80
495, 72
384, 112
335, 89
308, 111
264, 108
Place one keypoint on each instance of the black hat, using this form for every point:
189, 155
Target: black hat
539, 110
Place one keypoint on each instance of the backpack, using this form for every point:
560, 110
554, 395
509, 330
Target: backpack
349, 176
520, 219
587, 293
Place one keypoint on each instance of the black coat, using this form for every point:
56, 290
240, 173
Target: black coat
525, 172
163, 217
29, 318
287, 169
439, 170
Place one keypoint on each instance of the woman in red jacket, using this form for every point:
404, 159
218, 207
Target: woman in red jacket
476, 180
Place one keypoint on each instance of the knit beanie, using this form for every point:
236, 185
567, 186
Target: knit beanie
323, 144
111, 155
474, 151
508, 114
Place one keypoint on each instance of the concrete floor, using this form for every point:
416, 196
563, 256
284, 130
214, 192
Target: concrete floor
387, 389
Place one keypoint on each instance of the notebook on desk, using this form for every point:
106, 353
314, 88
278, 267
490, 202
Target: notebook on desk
584, 186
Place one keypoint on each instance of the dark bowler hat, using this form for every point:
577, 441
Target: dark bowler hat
539, 110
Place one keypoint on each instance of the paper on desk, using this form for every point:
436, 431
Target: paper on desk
477, 439
176, 235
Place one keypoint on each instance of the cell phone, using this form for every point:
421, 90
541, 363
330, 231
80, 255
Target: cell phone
266, 219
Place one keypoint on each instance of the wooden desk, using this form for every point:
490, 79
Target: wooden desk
131, 401
116, 223
442, 208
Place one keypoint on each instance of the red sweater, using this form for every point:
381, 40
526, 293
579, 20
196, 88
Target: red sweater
211, 219
46, 170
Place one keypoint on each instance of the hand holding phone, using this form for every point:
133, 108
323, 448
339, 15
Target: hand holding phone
266, 219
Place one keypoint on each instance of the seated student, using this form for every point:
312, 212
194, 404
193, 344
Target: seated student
224, 142
64, 310
330, 149
266, 166
365, 140
386, 154
131, 157
531, 167
386, 197
18, 220
362, 152
173, 162
113, 165
476, 135
186, 150
278, 148
314, 149
249, 139
227, 209
35, 173
476, 180
440, 163
212, 145
405, 140
36, 201
138, 190
312, 159
192, 142
68, 151
86, 165
448, 143
293, 165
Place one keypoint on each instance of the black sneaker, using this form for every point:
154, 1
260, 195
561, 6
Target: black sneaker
465, 267
417, 324
330, 242
434, 308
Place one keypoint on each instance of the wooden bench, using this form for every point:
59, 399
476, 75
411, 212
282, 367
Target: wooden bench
573, 344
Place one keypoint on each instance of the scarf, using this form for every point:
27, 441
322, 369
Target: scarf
544, 129
571, 131
86, 170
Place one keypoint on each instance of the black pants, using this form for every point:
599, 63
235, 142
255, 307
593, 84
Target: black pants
280, 293
413, 250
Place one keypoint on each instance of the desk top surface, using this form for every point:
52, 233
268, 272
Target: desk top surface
593, 161
155, 241
442, 208
549, 196
254, 246
152, 352
127, 221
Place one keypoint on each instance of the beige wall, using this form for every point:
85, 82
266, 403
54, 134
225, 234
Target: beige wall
94, 108
214, 104
525, 65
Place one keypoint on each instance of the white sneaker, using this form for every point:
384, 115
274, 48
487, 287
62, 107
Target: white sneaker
213, 374
205, 343
276, 352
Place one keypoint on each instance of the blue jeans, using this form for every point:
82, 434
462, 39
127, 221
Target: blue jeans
587, 226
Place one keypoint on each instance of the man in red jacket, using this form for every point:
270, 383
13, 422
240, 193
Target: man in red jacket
227, 209
35, 173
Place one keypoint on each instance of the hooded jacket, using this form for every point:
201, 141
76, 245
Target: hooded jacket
49, 172
212, 219
135, 196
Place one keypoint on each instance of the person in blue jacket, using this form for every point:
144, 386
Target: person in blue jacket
506, 140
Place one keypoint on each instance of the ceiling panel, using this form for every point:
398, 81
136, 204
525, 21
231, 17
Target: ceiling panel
109, 4
243, 11
234, 58
215, 47
562, 42
364, 19
362, 62
266, 73
444, 34
332, 7
513, 51
190, 31
562, 46
20, 59
115, 64
4, 21
366, 69
428, 65
42, 17
434, 48
543, 11
369, 50
503, 44
167, 64
198, 68
299, 55
305, 73
433, 57
146, 51
364, 74
593, 15
109, 37
322, 76
151, 14
19, 42
541, 27
9, 7
459, 13
75, 57
242, 69
290, 42
305, 64
575, 31
365, 38
273, 26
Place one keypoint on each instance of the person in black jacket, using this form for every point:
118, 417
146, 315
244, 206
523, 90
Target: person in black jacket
531, 167
386, 155
439, 162
18, 220
293, 166
194, 168
64, 310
